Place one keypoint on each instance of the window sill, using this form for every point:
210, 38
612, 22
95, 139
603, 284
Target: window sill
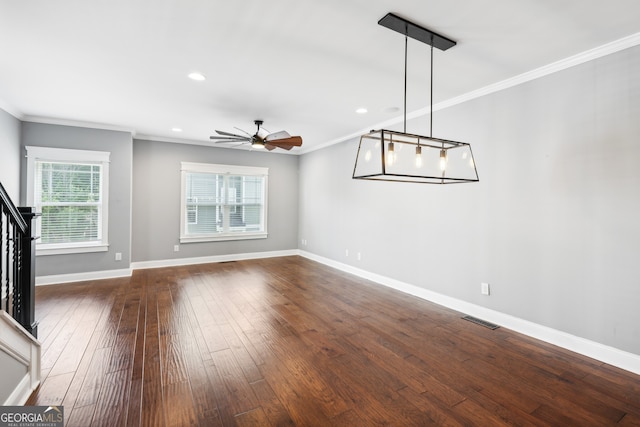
221, 238
71, 250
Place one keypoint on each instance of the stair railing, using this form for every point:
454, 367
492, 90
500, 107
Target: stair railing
17, 262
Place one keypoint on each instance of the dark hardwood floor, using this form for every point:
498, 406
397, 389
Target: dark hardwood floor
287, 341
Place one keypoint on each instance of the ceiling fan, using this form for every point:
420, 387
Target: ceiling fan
261, 139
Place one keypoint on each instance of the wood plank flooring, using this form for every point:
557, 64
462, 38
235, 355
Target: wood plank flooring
290, 342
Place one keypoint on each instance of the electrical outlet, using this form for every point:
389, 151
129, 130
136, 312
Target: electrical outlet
359, 256
346, 252
484, 289
118, 256
176, 248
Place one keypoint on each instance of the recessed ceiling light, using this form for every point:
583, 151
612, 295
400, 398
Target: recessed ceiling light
176, 129
361, 110
199, 77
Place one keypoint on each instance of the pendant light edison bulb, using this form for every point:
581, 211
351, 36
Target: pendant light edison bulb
391, 154
443, 160
418, 156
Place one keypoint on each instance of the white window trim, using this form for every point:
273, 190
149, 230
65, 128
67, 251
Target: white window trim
189, 167
71, 156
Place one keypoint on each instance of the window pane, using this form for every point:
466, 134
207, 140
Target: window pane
253, 190
246, 200
69, 196
219, 203
66, 224
210, 220
69, 183
252, 218
204, 203
207, 188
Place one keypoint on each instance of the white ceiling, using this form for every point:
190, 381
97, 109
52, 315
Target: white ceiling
300, 65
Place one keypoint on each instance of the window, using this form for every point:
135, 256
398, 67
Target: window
222, 202
70, 189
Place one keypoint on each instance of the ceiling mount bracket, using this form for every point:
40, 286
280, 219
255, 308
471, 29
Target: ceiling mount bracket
415, 31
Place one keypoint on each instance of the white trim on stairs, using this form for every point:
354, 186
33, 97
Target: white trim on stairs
24, 349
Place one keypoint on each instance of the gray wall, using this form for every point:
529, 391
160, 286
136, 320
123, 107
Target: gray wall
10, 155
156, 200
553, 225
119, 144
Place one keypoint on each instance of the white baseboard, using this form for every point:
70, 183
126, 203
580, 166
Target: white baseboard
24, 350
81, 277
208, 259
613, 356
111, 274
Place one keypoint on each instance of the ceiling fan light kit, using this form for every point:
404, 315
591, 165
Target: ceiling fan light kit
387, 155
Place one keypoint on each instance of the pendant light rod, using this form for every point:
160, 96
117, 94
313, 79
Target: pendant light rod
417, 32
406, 39
431, 94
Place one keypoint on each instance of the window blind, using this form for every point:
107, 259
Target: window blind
222, 202
70, 199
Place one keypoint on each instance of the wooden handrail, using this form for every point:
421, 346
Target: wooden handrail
13, 211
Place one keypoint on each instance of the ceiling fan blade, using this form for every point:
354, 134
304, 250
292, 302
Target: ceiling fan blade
278, 135
229, 138
283, 146
243, 131
220, 132
269, 147
294, 141
231, 144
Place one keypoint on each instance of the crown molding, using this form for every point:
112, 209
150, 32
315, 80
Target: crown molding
10, 109
207, 143
554, 67
156, 138
77, 123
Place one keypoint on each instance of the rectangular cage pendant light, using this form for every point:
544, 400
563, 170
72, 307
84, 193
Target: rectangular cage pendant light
386, 155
